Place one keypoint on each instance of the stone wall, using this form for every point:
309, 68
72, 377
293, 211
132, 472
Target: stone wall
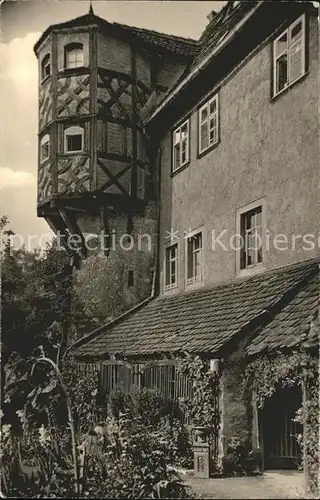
102, 283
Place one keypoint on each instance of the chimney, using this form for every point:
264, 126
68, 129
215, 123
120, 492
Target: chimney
212, 14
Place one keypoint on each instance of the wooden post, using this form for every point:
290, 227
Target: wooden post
255, 421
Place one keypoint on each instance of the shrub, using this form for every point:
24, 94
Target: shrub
132, 463
234, 462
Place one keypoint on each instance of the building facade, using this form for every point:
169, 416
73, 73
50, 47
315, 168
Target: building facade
211, 148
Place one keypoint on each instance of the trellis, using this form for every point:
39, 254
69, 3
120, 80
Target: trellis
161, 375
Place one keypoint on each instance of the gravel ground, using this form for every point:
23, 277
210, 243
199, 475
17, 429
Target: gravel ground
275, 484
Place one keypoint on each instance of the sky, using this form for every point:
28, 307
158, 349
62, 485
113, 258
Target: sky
22, 22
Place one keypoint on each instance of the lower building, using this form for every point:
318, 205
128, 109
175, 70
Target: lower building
265, 316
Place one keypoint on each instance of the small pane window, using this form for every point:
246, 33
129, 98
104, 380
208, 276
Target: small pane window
73, 139
208, 124
180, 146
289, 56
44, 148
45, 67
251, 232
73, 55
171, 267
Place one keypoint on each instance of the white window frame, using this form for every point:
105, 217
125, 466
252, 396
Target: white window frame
288, 51
72, 131
169, 261
75, 50
45, 62
241, 212
183, 143
45, 140
194, 280
210, 117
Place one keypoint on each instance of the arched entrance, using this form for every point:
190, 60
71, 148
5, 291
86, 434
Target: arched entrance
279, 431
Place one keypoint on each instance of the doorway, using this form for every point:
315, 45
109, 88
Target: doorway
279, 431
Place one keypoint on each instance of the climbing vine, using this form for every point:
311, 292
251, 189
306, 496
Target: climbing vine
266, 374
202, 407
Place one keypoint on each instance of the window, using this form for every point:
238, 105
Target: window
45, 67
194, 259
181, 146
251, 232
289, 56
44, 148
208, 124
73, 55
73, 139
171, 267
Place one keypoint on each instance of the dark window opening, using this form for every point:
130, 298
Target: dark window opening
130, 278
45, 67
74, 142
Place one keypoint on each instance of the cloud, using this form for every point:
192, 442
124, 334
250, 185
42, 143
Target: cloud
15, 178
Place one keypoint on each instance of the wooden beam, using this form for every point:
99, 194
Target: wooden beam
104, 223
73, 228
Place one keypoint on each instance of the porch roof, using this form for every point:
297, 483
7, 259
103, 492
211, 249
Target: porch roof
205, 321
297, 323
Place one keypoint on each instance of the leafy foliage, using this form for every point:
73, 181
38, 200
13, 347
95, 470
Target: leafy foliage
202, 407
130, 461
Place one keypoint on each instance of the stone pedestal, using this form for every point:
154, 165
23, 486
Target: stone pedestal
201, 452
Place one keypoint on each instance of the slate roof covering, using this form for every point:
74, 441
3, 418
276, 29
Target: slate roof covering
297, 323
185, 47
199, 321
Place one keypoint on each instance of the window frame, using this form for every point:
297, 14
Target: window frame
171, 286
216, 113
68, 49
174, 144
45, 139
240, 213
45, 62
194, 281
77, 130
287, 51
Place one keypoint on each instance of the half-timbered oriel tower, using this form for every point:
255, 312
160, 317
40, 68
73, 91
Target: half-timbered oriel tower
97, 170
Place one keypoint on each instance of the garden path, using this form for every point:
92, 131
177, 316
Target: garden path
272, 484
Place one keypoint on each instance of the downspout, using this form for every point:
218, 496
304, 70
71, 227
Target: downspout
124, 315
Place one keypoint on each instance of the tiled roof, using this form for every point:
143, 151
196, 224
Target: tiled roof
186, 47
199, 321
222, 23
297, 323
